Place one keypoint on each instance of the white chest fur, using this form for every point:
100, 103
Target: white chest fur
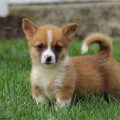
48, 78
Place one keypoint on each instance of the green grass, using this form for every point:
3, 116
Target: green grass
16, 102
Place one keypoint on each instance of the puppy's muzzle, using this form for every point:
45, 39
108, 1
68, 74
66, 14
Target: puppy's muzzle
48, 60
48, 57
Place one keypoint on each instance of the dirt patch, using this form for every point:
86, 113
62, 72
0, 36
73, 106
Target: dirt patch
11, 27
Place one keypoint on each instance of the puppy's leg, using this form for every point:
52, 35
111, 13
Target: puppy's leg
37, 94
64, 96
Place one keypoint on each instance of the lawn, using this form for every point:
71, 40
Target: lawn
16, 102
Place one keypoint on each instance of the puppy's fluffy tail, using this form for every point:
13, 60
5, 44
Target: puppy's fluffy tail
104, 42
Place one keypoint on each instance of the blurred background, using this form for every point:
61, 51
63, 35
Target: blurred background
92, 15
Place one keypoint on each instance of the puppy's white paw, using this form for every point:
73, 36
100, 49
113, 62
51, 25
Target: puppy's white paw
63, 103
39, 99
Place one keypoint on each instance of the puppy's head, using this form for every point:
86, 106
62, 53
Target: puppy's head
48, 43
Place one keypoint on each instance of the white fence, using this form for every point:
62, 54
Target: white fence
3, 8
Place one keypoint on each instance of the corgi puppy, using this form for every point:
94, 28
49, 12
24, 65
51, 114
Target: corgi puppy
57, 76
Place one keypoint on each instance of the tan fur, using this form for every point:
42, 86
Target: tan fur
98, 73
104, 41
80, 75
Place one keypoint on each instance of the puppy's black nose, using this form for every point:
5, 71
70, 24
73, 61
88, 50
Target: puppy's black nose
49, 58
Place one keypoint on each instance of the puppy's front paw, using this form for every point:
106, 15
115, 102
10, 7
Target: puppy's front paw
63, 103
39, 99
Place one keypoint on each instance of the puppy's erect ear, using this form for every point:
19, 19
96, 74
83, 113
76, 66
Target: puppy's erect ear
70, 30
29, 28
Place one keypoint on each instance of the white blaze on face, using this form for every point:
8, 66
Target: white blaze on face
48, 53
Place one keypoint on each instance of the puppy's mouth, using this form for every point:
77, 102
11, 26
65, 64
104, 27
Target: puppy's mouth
49, 63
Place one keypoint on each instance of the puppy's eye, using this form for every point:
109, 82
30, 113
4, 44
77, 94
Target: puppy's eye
40, 46
58, 47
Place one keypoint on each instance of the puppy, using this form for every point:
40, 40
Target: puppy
57, 76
